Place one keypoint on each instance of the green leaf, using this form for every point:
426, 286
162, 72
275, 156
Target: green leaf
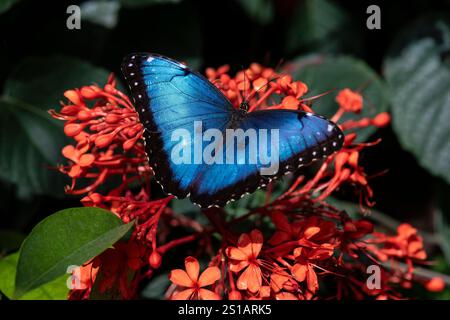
442, 228
31, 141
418, 81
30, 147
257, 199
42, 81
54, 290
5, 5
101, 12
157, 287
323, 73
68, 237
262, 11
319, 25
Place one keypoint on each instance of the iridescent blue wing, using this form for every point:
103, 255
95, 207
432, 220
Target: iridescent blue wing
169, 96
303, 138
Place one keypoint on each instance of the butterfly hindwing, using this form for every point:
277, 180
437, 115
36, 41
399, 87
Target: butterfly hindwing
302, 138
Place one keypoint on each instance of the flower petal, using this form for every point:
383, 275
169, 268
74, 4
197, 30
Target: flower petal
250, 279
279, 237
257, 242
278, 278
311, 231
70, 153
235, 253
206, 294
181, 278
192, 268
238, 266
299, 271
285, 296
311, 280
86, 160
245, 245
209, 276
183, 295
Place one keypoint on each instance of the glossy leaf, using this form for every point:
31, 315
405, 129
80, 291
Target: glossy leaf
324, 73
5, 5
30, 148
54, 290
262, 11
31, 141
320, 26
418, 81
42, 81
68, 237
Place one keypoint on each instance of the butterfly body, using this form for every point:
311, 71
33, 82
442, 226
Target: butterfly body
170, 98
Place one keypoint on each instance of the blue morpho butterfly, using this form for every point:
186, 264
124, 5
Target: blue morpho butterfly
169, 96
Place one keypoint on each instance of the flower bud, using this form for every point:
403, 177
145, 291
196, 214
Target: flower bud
435, 285
155, 260
382, 120
104, 140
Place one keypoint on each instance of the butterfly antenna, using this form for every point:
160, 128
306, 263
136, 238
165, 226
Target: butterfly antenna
245, 89
280, 62
317, 96
250, 96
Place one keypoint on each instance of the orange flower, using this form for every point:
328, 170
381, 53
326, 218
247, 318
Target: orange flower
304, 269
244, 256
80, 158
435, 285
349, 100
194, 284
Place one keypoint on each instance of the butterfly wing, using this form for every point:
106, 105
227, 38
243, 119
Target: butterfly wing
302, 138
169, 96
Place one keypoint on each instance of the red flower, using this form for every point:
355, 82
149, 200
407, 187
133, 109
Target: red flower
193, 283
349, 100
245, 256
80, 158
304, 267
108, 166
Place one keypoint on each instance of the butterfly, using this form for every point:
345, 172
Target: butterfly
170, 99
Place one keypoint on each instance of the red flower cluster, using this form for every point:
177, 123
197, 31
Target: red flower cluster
308, 241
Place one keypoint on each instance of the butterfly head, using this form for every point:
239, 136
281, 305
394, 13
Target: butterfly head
244, 106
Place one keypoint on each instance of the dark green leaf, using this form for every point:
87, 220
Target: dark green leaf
442, 228
261, 11
42, 81
319, 25
30, 148
324, 73
101, 12
54, 290
256, 200
5, 5
157, 287
68, 237
31, 139
418, 81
